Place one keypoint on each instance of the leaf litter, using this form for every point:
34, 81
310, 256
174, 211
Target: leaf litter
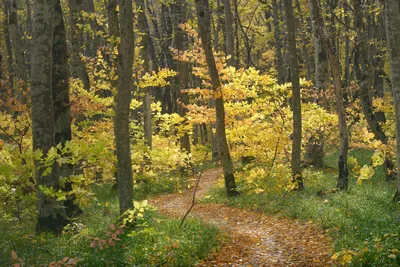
253, 239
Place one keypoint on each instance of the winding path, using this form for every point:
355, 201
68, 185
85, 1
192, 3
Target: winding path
254, 239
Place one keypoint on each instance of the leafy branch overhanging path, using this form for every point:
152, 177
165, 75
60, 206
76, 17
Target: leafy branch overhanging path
255, 239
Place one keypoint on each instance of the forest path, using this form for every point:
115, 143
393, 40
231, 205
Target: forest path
254, 239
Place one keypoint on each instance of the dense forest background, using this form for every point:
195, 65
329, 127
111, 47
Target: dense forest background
105, 105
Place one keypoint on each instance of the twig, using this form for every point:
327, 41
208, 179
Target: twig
273, 159
194, 192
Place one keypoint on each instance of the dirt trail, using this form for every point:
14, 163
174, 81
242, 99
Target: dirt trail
255, 239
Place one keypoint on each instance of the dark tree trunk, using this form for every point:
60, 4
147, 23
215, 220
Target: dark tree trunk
123, 100
278, 43
61, 103
392, 9
9, 56
95, 39
51, 213
297, 178
150, 63
203, 16
364, 77
333, 60
229, 39
183, 68
18, 48
78, 66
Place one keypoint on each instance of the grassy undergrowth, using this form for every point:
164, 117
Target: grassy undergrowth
166, 183
155, 241
363, 222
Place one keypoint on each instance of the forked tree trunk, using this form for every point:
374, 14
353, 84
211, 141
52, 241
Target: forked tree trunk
203, 16
51, 213
123, 100
333, 60
297, 178
392, 9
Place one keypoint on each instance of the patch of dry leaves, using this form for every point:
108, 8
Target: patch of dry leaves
254, 239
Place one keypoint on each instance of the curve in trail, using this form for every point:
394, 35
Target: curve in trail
254, 239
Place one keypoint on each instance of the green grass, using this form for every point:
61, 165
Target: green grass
167, 183
156, 240
363, 219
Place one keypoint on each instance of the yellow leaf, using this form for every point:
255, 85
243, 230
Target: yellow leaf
335, 256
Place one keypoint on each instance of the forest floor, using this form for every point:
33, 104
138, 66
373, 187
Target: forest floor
253, 239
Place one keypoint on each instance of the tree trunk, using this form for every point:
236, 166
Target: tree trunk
229, 40
150, 63
304, 40
333, 60
78, 66
297, 178
203, 16
237, 37
364, 77
166, 57
123, 100
113, 31
95, 41
392, 9
183, 69
18, 47
112, 16
315, 147
61, 103
9, 55
278, 43
51, 213
218, 27
28, 41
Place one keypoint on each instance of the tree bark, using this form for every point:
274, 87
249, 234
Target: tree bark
18, 47
123, 99
95, 42
365, 79
297, 178
278, 43
229, 40
333, 60
183, 69
392, 9
9, 55
78, 66
218, 26
166, 57
28, 41
237, 37
150, 63
61, 102
112, 16
203, 16
51, 213
315, 147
